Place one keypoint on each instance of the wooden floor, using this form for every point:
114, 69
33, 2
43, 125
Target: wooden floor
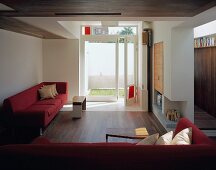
92, 126
203, 120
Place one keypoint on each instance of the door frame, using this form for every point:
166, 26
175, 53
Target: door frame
114, 38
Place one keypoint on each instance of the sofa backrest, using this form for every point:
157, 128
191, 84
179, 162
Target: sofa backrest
198, 137
22, 100
107, 156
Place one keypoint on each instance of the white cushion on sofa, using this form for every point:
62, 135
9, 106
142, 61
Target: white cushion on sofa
53, 89
184, 137
165, 139
45, 93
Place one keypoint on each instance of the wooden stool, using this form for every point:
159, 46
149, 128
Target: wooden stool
79, 104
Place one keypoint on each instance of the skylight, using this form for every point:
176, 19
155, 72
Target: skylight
206, 29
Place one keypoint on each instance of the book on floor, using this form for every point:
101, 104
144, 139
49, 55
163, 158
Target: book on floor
141, 132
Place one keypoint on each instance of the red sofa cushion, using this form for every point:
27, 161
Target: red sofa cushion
55, 101
36, 115
47, 109
62, 97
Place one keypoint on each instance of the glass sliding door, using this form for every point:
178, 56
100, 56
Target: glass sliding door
130, 69
101, 70
121, 75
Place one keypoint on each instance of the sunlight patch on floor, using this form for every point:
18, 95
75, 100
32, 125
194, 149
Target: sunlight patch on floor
106, 106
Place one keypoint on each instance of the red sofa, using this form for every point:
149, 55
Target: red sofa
25, 109
41, 154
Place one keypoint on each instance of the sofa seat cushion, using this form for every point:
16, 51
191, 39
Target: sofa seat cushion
40, 140
46, 109
49, 102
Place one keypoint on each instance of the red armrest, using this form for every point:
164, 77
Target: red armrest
198, 137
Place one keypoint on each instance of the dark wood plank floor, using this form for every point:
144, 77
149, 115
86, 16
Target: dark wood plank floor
92, 126
203, 120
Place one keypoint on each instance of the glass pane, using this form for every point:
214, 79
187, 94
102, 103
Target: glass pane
100, 30
122, 30
130, 51
106, 30
101, 68
121, 68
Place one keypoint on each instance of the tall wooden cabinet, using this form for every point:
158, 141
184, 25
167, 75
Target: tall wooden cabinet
158, 67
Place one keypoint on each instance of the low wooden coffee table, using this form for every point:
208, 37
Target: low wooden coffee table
139, 133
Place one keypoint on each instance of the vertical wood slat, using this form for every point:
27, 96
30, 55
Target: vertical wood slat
145, 38
158, 67
205, 79
214, 80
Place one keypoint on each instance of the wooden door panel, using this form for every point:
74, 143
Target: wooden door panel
158, 67
205, 79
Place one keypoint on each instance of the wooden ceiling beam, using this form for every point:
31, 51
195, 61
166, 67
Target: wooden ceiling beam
15, 25
127, 8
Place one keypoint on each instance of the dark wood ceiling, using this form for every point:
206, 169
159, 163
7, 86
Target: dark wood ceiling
120, 8
128, 8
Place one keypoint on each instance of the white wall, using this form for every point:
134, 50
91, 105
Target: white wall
178, 63
162, 32
61, 63
182, 69
20, 63
182, 64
